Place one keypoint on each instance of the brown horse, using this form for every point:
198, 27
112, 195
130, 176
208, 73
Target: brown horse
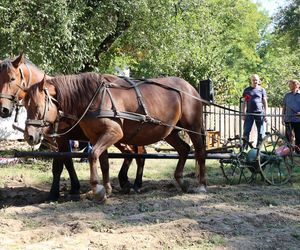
114, 111
18, 74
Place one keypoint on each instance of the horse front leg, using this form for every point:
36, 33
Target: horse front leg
102, 133
99, 191
75, 185
64, 146
104, 164
123, 174
106, 139
57, 168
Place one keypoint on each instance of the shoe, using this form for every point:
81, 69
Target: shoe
83, 160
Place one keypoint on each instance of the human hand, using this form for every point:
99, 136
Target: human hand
244, 117
76, 144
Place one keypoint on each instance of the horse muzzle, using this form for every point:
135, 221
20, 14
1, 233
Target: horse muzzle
33, 137
6, 110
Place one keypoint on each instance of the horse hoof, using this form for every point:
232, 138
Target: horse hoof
185, 186
126, 188
52, 198
137, 189
73, 197
108, 189
100, 193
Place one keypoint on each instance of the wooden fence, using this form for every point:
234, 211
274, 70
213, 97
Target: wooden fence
229, 123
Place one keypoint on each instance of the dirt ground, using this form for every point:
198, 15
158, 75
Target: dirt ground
160, 217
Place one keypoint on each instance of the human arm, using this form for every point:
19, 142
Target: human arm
243, 109
265, 104
283, 111
243, 106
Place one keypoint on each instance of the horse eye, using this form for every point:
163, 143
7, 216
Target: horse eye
12, 79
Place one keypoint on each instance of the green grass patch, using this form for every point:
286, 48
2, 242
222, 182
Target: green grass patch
39, 171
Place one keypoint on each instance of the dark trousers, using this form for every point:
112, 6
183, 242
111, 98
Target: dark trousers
259, 122
290, 128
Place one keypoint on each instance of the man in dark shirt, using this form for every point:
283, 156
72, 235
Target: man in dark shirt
254, 108
291, 112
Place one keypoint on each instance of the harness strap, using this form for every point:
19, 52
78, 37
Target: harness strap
9, 97
68, 116
114, 107
138, 94
40, 123
121, 114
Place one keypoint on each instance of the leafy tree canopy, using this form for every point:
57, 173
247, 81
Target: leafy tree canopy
224, 40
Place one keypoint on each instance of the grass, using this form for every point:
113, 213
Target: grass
39, 171
32, 172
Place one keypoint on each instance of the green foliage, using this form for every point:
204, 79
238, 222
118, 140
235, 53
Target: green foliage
281, 52
288, 22
224, 40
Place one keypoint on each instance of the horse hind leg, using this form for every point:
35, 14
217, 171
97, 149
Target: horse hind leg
140, 162
200, 155
183, 150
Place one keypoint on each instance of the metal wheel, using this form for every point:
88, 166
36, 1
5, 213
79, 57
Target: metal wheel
275, 164
237, 169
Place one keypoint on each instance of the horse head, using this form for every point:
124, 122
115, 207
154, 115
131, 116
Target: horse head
15, 75
11, 78
42, 111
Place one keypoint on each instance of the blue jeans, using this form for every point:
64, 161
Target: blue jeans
259, 122
82, 145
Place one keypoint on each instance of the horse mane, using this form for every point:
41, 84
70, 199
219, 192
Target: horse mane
28, 62
73, 91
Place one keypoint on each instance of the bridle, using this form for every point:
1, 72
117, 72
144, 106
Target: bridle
60, 114
22, 85
14, 98
49, 101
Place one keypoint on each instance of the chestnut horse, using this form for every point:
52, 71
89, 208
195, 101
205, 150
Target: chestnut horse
114, 111
18, 74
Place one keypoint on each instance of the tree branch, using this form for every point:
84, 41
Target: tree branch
121, 26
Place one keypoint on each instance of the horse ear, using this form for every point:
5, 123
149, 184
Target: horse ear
19, 60
42, 83
24, 89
